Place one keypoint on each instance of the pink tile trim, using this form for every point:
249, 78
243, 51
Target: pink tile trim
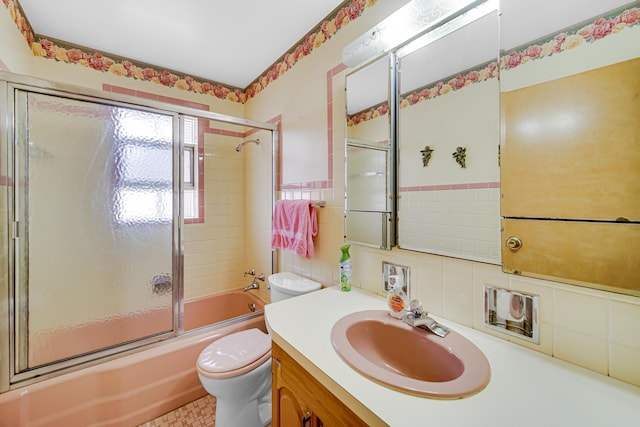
441, 187
224, 132
328, 183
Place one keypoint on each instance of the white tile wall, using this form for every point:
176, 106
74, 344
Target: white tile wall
448, 221
590, 328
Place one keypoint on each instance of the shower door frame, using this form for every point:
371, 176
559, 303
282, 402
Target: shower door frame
9, 83
19, 370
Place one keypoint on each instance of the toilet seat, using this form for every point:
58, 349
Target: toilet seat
235, 354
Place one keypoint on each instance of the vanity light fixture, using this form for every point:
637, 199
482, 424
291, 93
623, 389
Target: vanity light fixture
413, 19
467, 14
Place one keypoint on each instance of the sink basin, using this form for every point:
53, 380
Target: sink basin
409, 359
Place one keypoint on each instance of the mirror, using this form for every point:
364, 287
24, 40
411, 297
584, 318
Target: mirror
571, 142
368, 211
537, 170
448, 136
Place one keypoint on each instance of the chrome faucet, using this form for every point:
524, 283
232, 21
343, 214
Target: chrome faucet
254, 283
418, 318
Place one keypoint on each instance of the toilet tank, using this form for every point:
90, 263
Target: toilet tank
287, 285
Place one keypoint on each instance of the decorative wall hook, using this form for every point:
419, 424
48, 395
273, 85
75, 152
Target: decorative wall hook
426, 155
461, 156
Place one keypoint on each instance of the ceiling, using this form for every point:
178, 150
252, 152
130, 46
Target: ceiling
227, 41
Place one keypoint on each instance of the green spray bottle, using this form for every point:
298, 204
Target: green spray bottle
345, 269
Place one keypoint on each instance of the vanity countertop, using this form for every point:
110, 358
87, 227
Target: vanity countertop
527, 388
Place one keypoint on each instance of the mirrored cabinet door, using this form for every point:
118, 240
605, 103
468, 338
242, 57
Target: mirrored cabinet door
571, 143
448, 137
368, 212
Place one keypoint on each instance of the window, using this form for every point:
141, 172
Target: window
191, 172
144, 168
143, 161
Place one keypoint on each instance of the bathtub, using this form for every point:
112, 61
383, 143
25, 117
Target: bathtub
138, 387
218, 308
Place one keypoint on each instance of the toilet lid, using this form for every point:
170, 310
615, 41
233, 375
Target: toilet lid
292, 284
234, 351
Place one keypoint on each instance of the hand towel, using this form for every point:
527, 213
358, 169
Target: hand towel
294, 226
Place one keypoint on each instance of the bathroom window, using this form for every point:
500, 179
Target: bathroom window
144, 168
193, 185
143, 162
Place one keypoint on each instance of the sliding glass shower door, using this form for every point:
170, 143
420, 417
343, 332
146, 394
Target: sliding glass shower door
95, 218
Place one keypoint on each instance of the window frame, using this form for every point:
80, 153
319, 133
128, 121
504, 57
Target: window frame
197, 168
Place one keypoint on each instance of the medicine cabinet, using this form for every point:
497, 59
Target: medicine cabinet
571, 147
513, 136
369, 213
437, 115
448, 137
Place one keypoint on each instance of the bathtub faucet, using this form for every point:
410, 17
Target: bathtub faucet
254, 284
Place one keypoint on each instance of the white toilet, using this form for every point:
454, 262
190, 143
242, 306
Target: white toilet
236, 369
288, 285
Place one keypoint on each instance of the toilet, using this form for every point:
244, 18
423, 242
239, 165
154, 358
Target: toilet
288, 285
236, 369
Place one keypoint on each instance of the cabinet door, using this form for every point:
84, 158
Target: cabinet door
604, 255
571, 147
290, 412
287, 410
301, 400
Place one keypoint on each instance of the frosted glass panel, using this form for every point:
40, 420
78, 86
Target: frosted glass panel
368, 209
367, 179
96, 201
367, 228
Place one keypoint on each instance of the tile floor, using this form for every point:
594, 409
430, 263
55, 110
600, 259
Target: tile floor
199, 413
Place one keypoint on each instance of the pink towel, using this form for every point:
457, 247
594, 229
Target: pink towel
294, 226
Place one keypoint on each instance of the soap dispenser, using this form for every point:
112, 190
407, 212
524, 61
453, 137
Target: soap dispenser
396, 297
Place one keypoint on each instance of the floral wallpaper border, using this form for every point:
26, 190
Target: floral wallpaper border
567, 40
483, 73
58, 51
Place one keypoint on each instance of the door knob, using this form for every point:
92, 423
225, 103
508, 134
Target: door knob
514, 243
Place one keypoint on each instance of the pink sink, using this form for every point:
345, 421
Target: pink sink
409, 359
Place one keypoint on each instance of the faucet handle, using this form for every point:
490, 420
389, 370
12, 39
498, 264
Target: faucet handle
260, 277
415, 306
251, 272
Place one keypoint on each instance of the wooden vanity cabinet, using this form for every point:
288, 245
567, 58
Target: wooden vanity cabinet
299, 400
